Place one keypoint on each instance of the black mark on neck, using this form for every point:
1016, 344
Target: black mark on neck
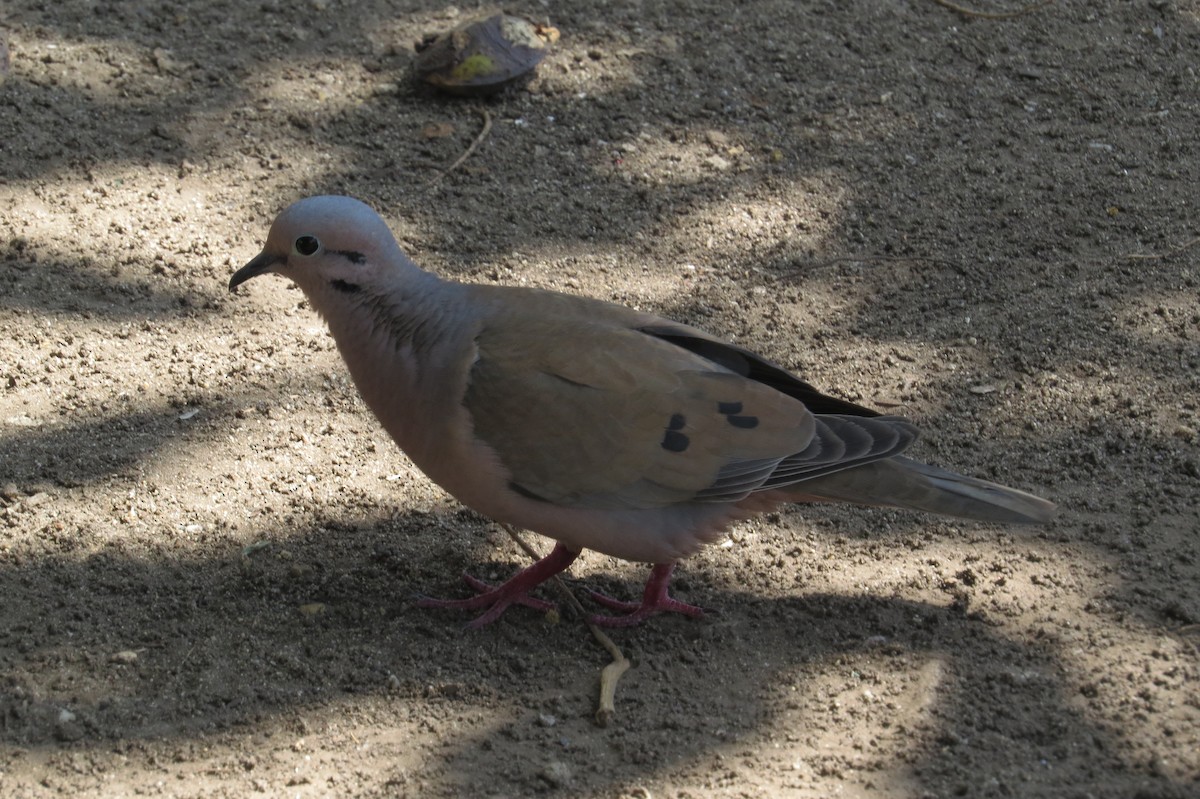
525, 492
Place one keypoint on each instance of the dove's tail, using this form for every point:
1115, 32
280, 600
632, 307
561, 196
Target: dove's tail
901, 482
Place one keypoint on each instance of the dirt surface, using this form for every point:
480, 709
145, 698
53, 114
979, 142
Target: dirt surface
209, 550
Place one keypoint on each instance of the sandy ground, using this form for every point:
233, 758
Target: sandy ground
209, 550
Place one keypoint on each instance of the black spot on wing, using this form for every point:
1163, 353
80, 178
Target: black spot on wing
344, 287
674, 441
732, 413
754, 367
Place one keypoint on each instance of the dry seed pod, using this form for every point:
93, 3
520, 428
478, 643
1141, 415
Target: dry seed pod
483, 56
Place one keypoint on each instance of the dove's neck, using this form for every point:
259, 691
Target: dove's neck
404, 344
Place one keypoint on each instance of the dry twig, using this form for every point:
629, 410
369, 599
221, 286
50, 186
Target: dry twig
843, 259
487, 128
611, 673
1137, 256
970, 12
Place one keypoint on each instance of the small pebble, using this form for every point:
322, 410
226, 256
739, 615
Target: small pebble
717, 162
125, 656
556, 773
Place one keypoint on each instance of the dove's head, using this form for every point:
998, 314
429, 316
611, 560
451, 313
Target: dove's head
330, 247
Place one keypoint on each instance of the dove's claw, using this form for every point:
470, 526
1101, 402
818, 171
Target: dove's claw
513, 592
654, 600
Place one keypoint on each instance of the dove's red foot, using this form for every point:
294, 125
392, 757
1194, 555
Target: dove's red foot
513, 592
654, 601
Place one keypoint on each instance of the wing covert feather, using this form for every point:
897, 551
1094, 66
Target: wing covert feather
588, 408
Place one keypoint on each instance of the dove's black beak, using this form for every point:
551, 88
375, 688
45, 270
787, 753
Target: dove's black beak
263, 262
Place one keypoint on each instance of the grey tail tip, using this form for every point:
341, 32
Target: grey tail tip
983, 500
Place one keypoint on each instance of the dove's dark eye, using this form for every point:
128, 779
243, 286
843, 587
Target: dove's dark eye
307, 245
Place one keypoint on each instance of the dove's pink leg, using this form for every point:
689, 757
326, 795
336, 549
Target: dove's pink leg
654, 600
513, 592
